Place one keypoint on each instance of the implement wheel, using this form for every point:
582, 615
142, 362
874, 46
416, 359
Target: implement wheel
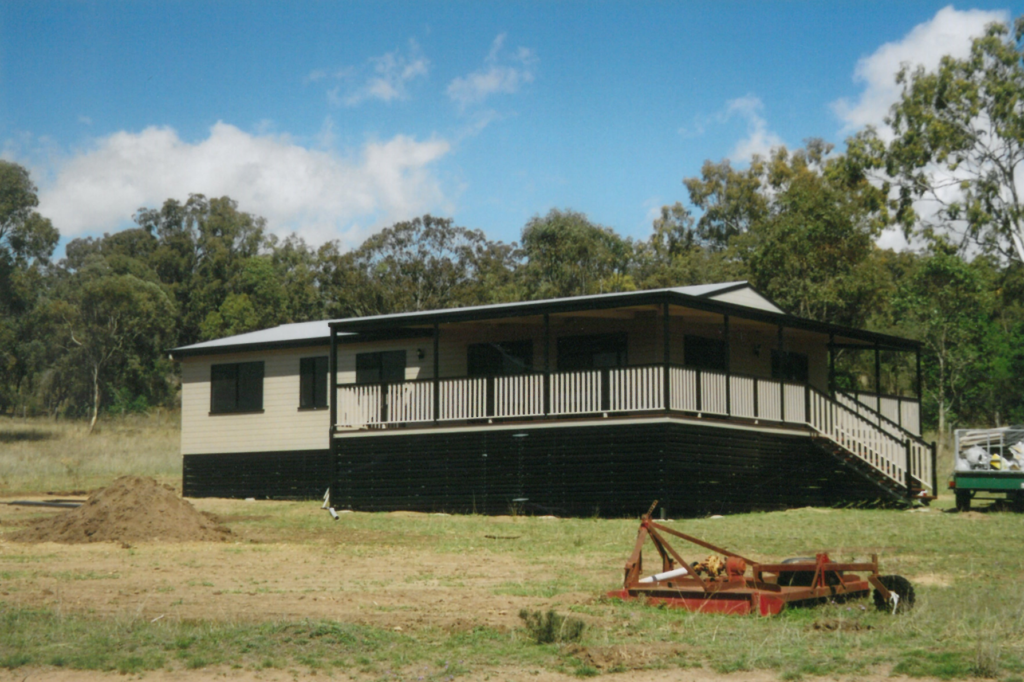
963, 500
797, 578
899, 586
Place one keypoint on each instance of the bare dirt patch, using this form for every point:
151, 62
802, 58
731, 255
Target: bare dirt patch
325, 570
624, 657
505, 674
838, 625
131, 509
932, 580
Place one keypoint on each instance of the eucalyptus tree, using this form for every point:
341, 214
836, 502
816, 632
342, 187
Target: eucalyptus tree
945, 303
799, 225
27, 240
202, 245
568, 255
422, 264
109, 315
957, 148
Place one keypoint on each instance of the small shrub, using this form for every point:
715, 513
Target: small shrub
986, 661
551, 627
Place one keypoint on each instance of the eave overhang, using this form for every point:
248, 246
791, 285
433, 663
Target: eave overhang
427, 319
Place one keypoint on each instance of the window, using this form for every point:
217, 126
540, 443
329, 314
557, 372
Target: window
383, 367
701, 352
591, 352
313, 383
789, 366
237, 387
500, 359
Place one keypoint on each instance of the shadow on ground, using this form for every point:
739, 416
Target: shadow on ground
23, 436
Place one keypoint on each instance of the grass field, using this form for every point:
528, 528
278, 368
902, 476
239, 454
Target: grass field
407, 596
40, 455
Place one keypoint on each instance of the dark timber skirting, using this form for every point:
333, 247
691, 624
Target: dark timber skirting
612, 470
301, 474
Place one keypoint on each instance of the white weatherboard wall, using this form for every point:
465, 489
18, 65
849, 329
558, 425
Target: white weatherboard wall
282, 426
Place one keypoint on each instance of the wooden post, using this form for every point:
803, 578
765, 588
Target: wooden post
831, 364
917, 352
437, 372
666, 385
756, 410
878, 378
606, 390
807, 403
728, 366
910, 478
700, 398
782, 375
332, 364
547, 364
935, 475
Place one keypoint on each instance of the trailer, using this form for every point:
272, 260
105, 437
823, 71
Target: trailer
726, 582
989, 465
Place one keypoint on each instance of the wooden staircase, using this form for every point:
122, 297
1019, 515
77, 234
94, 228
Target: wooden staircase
898, 462
888, 490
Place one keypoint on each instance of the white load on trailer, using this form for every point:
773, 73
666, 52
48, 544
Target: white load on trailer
989, 464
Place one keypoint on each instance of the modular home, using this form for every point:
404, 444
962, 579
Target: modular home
709, 398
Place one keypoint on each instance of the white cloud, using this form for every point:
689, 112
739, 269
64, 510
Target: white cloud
759, 139
385, 78
499, 75
319, 194
315, 75
949, 32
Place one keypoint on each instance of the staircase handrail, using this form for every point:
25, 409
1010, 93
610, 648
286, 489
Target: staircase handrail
854, 413
909, 434
870, 425
929, 483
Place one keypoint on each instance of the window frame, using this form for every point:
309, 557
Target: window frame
313, 383
704, 356
791, 366
374, 362
589, 347
238, 389
518, 349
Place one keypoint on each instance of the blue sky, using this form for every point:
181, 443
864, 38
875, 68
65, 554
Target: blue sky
335, 119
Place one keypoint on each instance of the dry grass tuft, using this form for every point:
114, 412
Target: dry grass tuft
41, 455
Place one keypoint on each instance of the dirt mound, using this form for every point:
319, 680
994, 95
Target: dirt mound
131, 509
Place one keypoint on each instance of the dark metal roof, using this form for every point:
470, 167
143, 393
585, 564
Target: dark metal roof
617, 300
317, 334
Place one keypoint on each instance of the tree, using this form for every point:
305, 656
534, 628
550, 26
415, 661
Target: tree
731, 201
945, 303
424, 264
202, 245
567, 255
25, 235
674, 256
801, 226
107, 315
295, 265
257, 299
26, 242
958, 145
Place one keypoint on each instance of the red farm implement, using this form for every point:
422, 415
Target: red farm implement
726, 582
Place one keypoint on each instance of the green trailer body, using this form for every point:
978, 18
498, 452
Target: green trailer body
998, 475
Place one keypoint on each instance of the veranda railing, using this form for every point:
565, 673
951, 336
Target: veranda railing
870, 437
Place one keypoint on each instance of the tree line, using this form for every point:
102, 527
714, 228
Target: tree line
87, 334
